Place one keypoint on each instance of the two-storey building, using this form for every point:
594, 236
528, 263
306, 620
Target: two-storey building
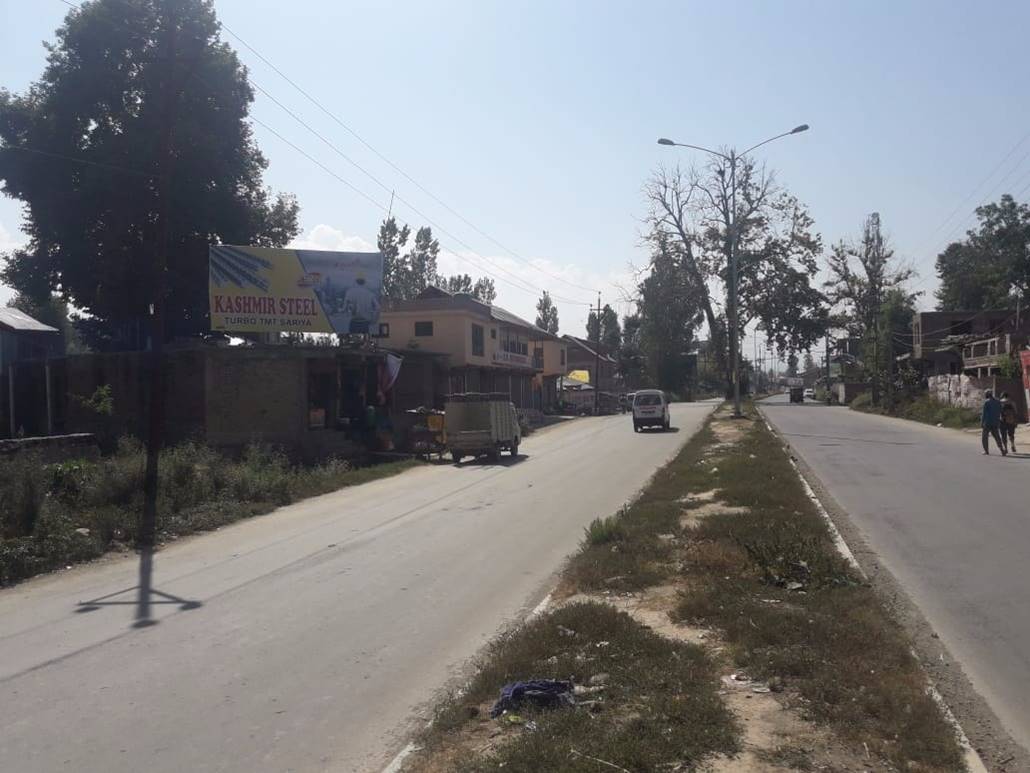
488, 349
603, 369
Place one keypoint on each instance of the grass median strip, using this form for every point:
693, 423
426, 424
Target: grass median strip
792, 612
729, 633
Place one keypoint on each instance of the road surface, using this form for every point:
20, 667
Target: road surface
305, 640
951, 525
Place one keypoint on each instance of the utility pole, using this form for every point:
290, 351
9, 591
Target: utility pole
754, 386
890, 370
734, 353
828, 395
597, 361
148, 522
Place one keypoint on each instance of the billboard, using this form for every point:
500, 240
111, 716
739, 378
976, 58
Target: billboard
262, 290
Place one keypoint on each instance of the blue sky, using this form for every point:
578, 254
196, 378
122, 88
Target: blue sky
536, 120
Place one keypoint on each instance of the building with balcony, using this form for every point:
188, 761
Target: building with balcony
931, 328
488, 349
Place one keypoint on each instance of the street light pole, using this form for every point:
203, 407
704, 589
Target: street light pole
734, 317
732, 158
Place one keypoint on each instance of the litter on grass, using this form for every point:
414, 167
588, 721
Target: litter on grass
541, 693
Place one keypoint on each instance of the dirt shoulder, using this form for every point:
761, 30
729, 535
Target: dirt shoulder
709, 625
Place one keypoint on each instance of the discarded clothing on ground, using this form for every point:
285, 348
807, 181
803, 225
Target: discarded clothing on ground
542, 693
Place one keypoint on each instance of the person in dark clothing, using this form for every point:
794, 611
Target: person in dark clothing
990, 422
1009, 420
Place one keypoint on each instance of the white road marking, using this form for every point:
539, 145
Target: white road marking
398, 762
973, 761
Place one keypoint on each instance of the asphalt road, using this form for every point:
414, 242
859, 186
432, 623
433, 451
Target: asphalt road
951, 525
308, 639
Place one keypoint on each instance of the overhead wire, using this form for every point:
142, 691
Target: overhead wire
400, 199
924, 281
394, 166
516, 282
79, 160
983, 182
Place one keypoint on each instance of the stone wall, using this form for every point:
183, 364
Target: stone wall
968, 392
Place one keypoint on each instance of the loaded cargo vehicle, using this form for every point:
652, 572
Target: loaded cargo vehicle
481, 424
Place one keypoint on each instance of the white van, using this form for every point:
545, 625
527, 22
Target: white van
650, 409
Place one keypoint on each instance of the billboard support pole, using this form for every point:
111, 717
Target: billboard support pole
148, 523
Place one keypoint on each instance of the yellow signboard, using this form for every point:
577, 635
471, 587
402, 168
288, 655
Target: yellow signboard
260, 290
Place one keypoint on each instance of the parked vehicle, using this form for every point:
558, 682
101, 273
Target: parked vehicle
797, 395
650, 409
481, 424
810, 394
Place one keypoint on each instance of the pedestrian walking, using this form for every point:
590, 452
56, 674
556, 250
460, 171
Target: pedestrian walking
1009, 420
990, 422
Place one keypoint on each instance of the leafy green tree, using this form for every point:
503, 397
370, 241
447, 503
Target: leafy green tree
420, 263
458, 284
991, 267
547, 314
610, 333
481, 289
82, 150
485, 290
631, 356
862, 277
669, 313
393, 239
792, 364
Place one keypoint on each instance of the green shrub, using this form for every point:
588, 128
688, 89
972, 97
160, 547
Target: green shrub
601, 531
52, 515
22, 490
864, 402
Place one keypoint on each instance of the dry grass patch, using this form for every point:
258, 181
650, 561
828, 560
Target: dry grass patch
791, 609
722, 566
659, 707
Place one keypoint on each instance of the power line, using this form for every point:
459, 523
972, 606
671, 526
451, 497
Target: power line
983, 182
78, 160
394, 166
368, 198
516, 281
993, 192
387, 188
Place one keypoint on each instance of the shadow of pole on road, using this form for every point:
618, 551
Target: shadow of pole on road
146, 595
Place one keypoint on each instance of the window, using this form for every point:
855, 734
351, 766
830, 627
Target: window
493, 333
477, 341
648, 399
423, 329
563, 355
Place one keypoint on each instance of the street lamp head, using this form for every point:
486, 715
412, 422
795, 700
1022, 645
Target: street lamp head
665, 141
798, 129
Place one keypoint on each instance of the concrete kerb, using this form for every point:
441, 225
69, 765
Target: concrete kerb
972, 759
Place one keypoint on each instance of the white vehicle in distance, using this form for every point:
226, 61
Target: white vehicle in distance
810, 394
650, 409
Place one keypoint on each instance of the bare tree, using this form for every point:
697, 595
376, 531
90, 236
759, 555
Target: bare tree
776, 250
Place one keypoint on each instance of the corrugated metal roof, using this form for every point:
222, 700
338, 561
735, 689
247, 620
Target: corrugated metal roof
501, 315
20, 322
